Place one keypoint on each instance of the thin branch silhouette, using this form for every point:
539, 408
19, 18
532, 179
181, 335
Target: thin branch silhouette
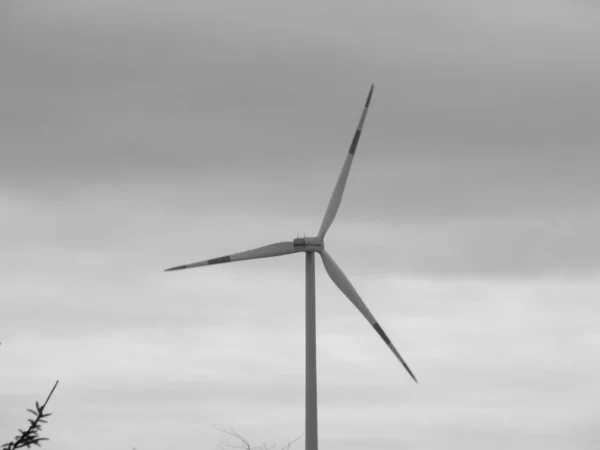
30, 436
246, 445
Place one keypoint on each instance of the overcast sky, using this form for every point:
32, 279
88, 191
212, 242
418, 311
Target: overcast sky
139, 135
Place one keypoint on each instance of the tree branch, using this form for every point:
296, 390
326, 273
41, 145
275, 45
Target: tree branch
31, 436
246, 445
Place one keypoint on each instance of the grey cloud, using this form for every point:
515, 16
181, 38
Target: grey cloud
104, 256
157, 102
537, 244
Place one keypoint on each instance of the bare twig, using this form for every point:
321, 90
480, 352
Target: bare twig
289, 444
31, 436
246, 445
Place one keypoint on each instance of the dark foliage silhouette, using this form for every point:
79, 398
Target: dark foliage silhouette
31, 436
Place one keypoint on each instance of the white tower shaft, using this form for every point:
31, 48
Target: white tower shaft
310, 424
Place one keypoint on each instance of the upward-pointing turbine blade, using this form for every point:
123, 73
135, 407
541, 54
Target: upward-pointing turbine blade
268, 251
342, 282
338, 191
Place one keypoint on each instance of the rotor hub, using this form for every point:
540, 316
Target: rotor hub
308, 244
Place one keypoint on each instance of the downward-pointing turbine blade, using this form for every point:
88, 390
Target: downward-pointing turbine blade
268, 251
338, 191
342, 282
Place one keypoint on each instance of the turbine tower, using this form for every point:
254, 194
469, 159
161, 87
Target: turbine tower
310, 246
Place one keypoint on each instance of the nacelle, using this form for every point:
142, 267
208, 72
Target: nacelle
308, 244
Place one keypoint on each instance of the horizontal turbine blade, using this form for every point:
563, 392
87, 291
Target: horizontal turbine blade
342, 282
338, 191
268, 251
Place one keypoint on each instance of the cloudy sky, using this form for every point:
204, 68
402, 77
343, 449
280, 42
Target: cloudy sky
143, 134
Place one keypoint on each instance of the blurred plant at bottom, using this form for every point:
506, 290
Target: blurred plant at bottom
246, 445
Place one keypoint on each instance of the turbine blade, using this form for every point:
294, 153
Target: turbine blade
268, 251
338, 190
342, 282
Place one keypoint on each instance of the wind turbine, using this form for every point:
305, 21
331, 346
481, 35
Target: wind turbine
310, 245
